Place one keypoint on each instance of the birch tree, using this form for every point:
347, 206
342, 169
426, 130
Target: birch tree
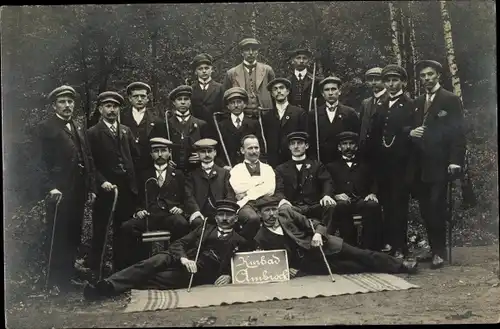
395, 32
413, 53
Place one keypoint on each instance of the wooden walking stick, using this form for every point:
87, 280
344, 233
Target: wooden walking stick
52, 241
197, 253
262, 130
106, 234
312, 87
167, 125
220, 137
317, 126
323, 253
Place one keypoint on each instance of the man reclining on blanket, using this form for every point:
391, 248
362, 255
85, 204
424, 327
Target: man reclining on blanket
171, 269
286, 228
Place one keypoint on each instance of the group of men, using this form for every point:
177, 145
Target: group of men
202, 165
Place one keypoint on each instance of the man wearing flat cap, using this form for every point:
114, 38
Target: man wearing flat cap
172, 269
235, 127
114, 149
373, 78
389, 148
251, 75
167, 201
185, 129
280, 121
207, 183
333, 118
301, 80
208, 94
438, 156
301, 237
67, 171
355, 192
305, 183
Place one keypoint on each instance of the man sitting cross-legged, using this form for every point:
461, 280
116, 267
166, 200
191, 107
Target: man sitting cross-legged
285, 228
171, 269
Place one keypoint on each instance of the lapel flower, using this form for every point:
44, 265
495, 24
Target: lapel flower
152, 123
442, 113
173, 173
340, 116
400, 104
416, 109
379, 102
308, 165
287, 117
79, 128
124, 131
195, 125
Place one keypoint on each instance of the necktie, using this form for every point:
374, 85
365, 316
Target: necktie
204, 86
222, 234
298, 162
67, 124
161, 180
238, 123
300, 77
113, 130
427, 102
250, 68
207, 170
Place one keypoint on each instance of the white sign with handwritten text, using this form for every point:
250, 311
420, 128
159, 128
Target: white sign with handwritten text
260, 267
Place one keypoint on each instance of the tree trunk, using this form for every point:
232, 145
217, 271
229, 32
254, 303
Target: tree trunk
403, 36
413, 53
395, 33
154, 66
253, 23
86, 100
450, 51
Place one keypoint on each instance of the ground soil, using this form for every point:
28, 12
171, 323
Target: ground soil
466, 292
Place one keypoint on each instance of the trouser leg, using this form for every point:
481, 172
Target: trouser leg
249, 221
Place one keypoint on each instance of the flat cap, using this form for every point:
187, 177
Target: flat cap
420, 65
301, 51
330, 79
227, 205
374, 71
138, 85
179, 91
205, 143
249, 42
266, 201
110, 96
274, 81
62, 91
345, 135
160, 142
394, 70
302, 135
235, 92
199, 59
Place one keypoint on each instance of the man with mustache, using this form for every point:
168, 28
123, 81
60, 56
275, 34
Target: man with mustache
66, 170
285, 228
166, 205
114, 149
438, 155
251, 180
205, 184
172, 268
305, 183
355, 192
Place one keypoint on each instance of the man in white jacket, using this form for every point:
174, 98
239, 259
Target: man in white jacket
250, 181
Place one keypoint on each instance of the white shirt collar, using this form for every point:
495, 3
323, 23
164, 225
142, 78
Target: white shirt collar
246, 161
435, 88
60, 117
234, 117
397, 94
161, 168
208, 166
349, 160
276, 230
303, 157
334, 105
205, 81
380, 93
181, 119
247, 63
110, 124
139, 111
303, 73
282, 107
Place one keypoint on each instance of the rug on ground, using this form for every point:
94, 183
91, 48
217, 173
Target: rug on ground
301, 287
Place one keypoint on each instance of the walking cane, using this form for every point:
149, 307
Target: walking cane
323, 254
262, 130
197, 253
317, 126
312, 86
101, 264
52, 241
450, 216
152, 236
220, 137
167, 125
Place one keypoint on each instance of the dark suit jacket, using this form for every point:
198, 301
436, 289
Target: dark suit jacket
297, 227
368, 109
357, 180
315, 182
443, 142
106, 152
276, 130
57, 154
206, 103
346, 119
232, 138
305, 92
197, 184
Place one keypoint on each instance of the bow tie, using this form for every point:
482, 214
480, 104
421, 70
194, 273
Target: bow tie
430, 93
223, 233
250, 67
332, 108
298, 162
65, 121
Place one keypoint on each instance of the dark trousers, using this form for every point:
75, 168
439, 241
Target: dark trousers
68, 229
394, 195
249, 222
101, 211
131, 231
323, 214
432, 203
371, 221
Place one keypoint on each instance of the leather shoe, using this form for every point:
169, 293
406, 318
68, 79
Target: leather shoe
410, 266
100, 290
437, 262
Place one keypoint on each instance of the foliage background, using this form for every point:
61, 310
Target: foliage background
105, 47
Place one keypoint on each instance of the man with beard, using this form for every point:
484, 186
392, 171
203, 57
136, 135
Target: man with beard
438, 155
301, 80
390, 145
354, 189
373, 78
166, 203
285, 228
236, 126
305, 183
114, 148
251, 75
185, 129
171, 269
250, 181
67, 174
205, 184
333, 118
280, 121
